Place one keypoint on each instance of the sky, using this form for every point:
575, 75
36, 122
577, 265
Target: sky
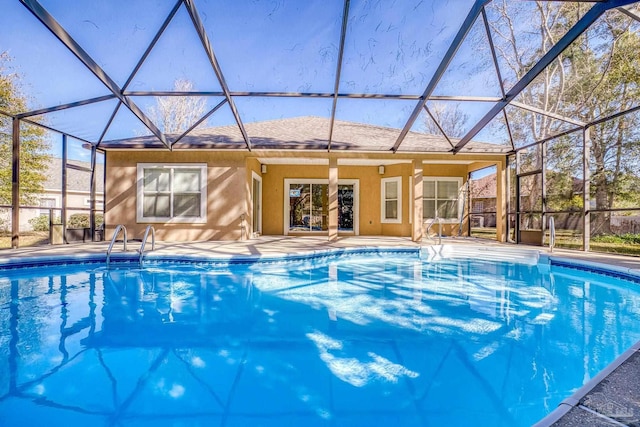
392, 47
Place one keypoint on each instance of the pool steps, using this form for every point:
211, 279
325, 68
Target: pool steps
485, 253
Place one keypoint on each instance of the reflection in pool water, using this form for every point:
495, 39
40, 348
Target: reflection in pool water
361, 340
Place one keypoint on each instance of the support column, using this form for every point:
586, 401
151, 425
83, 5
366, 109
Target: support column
63, 213
586, 191
416, 205
333, 199
92, 196
543, 188
502, 207
507, 192
517, 224
15, 185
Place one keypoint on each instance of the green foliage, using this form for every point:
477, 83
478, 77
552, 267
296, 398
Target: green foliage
624, 239
597, 76
41, 223
34, 145
605, 79
82, 221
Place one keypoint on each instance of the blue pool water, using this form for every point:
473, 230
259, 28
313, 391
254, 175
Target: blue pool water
380, 339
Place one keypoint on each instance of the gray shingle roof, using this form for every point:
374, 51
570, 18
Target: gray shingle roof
307, 132
76, 180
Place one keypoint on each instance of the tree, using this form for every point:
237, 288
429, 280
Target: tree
34, 156
452, 120
598, 75
175, 114
613, 86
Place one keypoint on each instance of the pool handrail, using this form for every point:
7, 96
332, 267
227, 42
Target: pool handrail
144, 240
430, 224
552, 233
113, 240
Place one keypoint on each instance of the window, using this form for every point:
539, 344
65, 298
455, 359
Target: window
47, 202
441, 198
391, 200
99, 202
172, 192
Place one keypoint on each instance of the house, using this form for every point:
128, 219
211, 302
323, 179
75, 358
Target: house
483, 201
212, 186
78, 196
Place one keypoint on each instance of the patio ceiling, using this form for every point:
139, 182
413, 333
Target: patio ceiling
96, 70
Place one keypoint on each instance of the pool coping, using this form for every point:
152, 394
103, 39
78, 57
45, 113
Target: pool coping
574, 410
134, 257
626, 273
560, 415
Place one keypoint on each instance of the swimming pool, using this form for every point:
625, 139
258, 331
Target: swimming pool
351, 338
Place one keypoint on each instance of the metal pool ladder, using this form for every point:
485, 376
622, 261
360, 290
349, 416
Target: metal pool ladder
142, 245
552, 233
430, 224
113, 241
144, 240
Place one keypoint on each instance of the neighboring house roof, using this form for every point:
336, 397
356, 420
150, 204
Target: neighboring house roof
77, 180
307, 133
484, 188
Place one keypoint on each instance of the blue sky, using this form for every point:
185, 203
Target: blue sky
392, 47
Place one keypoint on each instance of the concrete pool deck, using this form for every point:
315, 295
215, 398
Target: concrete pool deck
612, 398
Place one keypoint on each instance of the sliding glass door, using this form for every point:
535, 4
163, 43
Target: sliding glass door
307, 206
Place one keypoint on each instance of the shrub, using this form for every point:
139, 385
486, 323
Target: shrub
82, 221
41, 223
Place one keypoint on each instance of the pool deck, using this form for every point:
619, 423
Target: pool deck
612, 398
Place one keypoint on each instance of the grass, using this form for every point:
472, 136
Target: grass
484, 233
32, 238
624, 244
625, 239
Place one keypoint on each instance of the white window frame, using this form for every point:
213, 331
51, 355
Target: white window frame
45, 210
200, 219
436, 179
356, 203
383, 200
87, 201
